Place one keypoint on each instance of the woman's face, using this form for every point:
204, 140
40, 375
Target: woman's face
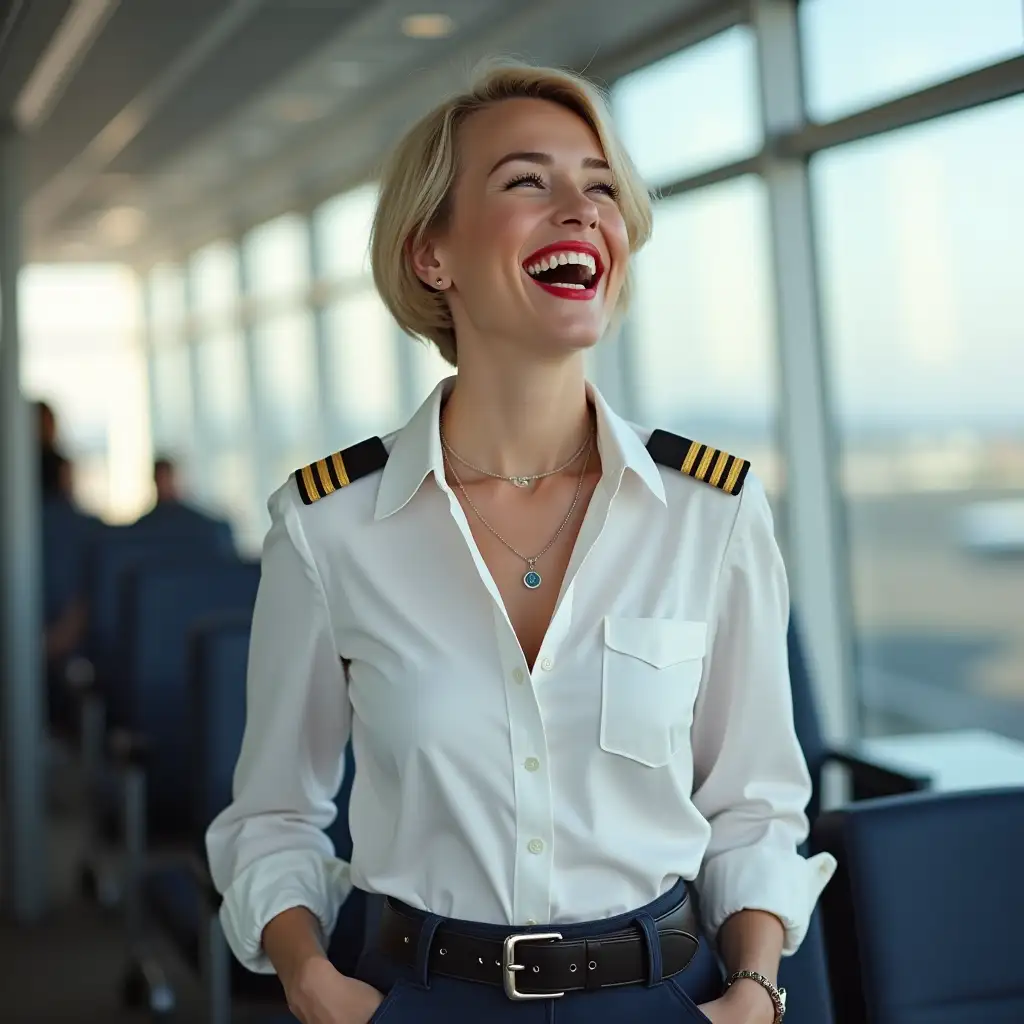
535, 250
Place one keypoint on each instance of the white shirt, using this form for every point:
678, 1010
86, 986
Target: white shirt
653, 740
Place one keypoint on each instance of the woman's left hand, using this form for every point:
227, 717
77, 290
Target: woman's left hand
741, 1004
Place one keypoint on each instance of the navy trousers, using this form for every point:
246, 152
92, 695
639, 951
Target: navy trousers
414, 997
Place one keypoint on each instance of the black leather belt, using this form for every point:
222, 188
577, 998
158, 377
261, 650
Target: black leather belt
538, 965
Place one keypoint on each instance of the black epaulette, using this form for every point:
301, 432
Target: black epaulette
709, 465
319, 479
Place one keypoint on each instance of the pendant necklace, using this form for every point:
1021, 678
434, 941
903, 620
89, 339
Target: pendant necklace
531, 579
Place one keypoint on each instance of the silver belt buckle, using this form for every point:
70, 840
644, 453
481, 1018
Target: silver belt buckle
509, 967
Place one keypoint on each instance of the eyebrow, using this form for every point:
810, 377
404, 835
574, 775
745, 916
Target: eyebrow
546, 160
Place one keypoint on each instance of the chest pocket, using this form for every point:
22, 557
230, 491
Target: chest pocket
650, 676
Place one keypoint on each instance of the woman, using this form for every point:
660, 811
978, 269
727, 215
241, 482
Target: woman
562, 664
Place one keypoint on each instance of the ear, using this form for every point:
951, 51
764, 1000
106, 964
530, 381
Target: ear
427, 261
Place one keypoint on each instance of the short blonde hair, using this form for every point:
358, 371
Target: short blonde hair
417, 180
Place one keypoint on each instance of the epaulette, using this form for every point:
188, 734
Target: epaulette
319, 479
709, 465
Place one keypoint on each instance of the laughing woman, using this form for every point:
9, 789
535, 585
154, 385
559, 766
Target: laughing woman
556, 640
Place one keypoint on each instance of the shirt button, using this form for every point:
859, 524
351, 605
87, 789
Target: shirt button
547, 664
531, 764
518, 675
536, 846
531, 923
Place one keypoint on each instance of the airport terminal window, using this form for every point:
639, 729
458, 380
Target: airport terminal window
920, 235
215, 281
693, 110
223, 383
171, 388
428, 368
861, 52
166, 303
343, 233
361, 344
702, 343
277, 258
286, 375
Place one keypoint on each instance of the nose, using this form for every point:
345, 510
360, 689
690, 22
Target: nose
577, 209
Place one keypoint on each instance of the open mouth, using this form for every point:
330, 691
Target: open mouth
570, 270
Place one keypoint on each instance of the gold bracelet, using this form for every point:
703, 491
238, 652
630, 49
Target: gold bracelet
777, 995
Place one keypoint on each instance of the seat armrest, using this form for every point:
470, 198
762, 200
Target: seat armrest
129, 749
869, 779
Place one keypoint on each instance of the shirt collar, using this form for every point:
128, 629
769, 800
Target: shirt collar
416, 452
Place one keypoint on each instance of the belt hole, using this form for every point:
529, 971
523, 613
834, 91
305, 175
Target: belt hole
536, 970
497, 963
406, 940
592, 965
443, 952
572, 968
480, 960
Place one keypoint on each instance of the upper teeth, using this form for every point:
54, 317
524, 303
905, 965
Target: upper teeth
560, 259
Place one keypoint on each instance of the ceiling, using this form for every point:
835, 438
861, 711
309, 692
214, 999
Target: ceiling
153, 126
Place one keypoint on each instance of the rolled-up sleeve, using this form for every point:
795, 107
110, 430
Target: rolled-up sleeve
751, 781
268, 851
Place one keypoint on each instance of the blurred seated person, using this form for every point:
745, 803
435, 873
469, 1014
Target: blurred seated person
50, 460
67, 534
171, 512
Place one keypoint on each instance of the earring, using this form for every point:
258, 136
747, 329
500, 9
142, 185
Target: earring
439, 282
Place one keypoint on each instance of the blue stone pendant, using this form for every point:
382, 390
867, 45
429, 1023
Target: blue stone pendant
532, 579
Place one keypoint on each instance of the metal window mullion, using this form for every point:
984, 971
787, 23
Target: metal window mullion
328, 428
260, 443
24, 857
200, 448
817, 563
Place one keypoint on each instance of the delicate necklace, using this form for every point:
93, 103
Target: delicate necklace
532, 579
518, 481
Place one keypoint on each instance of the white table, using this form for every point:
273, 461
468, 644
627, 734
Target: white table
967, 759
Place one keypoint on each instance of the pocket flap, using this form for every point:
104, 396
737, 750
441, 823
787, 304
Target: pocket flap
659, 642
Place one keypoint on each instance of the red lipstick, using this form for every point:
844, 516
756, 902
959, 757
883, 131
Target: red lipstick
562, 291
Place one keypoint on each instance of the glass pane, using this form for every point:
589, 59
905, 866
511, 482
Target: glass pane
172, 393
223, 383
920, 239
286, 370
343, 233
278, 258
861, 52
691, 111
166, 303
214, 272
364, 373
429, 369
700, 336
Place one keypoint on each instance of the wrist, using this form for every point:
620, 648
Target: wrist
302, 975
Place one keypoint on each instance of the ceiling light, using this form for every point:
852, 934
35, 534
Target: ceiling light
122, 225
428, 26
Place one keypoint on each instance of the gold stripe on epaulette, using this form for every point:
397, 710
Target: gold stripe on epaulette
325, 476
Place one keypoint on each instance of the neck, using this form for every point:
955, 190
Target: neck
518, 419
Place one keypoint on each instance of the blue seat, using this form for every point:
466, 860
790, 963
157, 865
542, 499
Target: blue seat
923, 918
116, 551
161, 607
178, 519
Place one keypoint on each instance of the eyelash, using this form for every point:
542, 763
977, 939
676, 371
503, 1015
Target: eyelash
607, 187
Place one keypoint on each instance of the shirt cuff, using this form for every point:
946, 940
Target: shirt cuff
757, 878
276, 883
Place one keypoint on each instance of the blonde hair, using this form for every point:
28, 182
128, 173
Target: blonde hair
418, 178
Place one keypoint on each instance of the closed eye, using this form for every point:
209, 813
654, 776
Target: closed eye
533, 178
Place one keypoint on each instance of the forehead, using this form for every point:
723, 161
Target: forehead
526, 125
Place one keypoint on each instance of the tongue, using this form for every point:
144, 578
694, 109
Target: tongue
569, 273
